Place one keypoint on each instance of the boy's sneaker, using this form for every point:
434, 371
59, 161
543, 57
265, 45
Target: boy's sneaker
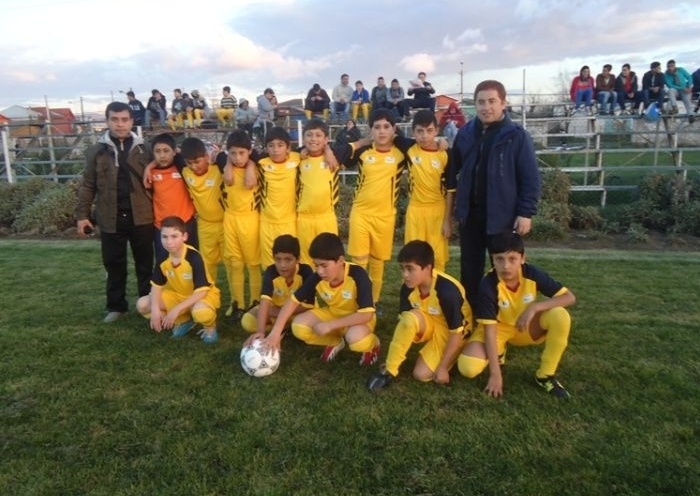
370, 357
553, 387
234, 312
209, 336
330, 352
181, 329
379, 381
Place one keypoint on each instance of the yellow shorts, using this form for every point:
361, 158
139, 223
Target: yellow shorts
211, 241
435, 338
171, 298
506, 334
242, 237
310, 226
371, 235
326, 314
424, 222
268, 232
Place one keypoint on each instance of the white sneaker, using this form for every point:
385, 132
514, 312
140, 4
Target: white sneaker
113, 317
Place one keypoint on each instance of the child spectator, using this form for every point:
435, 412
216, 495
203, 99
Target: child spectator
582, 89
201, 109
176, 119
156, 107
421, 90
241, 224
246, 117
170, 195
227, 108
280, 280
137, 109
507, 312
278, 191
348, 134
451, 121
433, 310
344, 312
182, 292
360, 100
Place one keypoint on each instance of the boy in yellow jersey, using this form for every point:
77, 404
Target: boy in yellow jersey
182, 292
318, 187
241, 224
433, 310
280, 280
373, 213
344, 312
429, 197
507, 312
278, 191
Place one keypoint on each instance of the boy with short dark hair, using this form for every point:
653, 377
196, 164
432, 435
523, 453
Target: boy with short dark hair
433, 310
507, 312
227, 108
344, 312
280, 280
182, 292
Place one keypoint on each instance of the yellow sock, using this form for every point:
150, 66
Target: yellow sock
249, 323
204, 314
404, 333
254, 282
557, 322
376, 275
304, 333
236, 282
470, 366
365, 344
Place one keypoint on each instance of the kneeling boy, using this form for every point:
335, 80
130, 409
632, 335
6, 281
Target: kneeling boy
433, 310
280, 280
182, 293
344, 312
507, 312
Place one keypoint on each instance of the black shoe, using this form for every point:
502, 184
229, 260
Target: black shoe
553, 387
379, 381
234, 313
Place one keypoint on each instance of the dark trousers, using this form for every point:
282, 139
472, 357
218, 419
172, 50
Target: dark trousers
114, 258
472, 244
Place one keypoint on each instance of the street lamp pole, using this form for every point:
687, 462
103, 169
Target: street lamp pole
461, 83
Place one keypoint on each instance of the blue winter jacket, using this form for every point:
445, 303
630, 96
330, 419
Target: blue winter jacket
513, 179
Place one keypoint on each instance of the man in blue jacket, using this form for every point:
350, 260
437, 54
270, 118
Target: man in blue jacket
494, 171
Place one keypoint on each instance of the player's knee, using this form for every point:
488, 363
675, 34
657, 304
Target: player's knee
557, 317
249, 323
470, 366
143, 306
203, 314
302, 331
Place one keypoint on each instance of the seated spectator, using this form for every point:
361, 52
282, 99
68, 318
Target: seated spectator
176, 118
581, 91
627, 88
421, 90
227, 108
317, 102
201, 109
653, 86
680, 84
605, 91
379, 97
245, 117
156, 107
360, 100
450, 122
188, 105
349, 134
696, 88
396, 101
137, 108
340, 100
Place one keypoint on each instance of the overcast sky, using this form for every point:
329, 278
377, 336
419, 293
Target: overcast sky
72, 49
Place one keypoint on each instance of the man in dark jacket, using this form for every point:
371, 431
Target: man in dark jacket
113, 180
494, 171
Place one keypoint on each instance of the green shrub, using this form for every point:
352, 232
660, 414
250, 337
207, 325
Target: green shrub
559, 213
585, 217
546, 229
15, 197
636, 233
556, 186
50, 213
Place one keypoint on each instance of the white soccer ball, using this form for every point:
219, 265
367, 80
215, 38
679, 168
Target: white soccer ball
258, 362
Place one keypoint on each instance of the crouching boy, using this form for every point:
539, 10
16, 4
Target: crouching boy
182, 292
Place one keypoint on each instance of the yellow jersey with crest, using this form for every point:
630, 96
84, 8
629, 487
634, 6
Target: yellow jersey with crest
278, 188
379, 177
237, 198
427, 171
317, 187
206, 192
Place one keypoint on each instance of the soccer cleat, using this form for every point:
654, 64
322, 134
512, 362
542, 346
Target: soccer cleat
181, 329
330, 352
370, 357
234, 312
553, 387
113, 317
379, 381
209, 336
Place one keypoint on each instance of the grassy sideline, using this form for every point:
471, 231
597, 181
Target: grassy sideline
92, 409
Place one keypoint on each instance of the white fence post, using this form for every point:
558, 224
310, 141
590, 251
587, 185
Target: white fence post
6, 152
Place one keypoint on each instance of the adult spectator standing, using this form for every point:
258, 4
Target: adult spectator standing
267, 105
137, 108
680, 84
317, 102
421, 90
494, 171
124, 211
156, 107
380, 95
340, 100
653, 86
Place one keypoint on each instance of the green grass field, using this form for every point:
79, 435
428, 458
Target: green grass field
93, 409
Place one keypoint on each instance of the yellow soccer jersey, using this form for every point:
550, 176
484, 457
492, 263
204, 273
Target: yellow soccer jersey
275, 287
427, 171
187, 277
317, 187
379, 177
206, 192
446, 304
278, 188
353, 295
498, 304
239, 199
